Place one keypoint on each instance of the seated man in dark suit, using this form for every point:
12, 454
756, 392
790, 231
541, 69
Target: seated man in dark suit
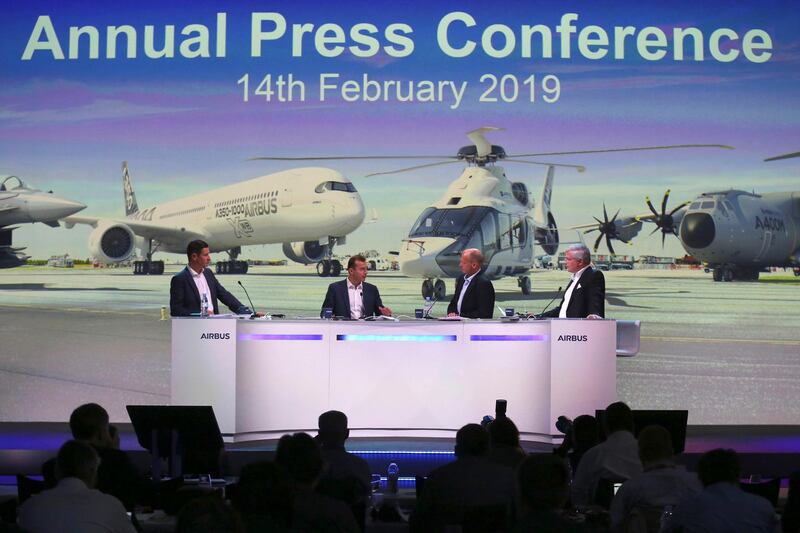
474, 296
188, 286
586, 292
353, 298
471, 482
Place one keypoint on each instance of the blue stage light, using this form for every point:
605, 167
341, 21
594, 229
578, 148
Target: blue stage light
275, 337
397, 338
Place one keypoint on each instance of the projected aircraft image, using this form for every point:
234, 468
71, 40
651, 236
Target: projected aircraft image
21, 203
309, 210
735, 233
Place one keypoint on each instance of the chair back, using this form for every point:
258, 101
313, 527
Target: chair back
27, 487
475, 518
644, 520
767, 489
604, 491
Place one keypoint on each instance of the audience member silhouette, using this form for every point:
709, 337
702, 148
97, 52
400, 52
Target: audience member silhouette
116, 476
544, 490
504, 447
208, 514
661, 483
471, 482
345, 476
263, 497
722, 506
300, 456
73, 504
790, 521
617, 458
584, 431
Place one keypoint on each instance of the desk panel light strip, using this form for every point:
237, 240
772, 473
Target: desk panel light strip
517, 338
279, 337
397, 338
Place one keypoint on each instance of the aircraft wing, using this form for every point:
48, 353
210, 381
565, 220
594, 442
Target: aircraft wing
142, 228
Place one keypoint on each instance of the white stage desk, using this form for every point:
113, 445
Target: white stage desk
422, 378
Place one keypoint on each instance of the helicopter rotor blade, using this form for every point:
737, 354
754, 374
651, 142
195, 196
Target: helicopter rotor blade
635, 149
783, 156
408, 169
579, 168
345, 157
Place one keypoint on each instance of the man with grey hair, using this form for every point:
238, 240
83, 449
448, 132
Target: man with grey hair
586, 291
474, 294
74, 504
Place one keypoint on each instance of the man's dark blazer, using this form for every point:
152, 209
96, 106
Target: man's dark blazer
588, 298
184, 298
338, 299
478, 301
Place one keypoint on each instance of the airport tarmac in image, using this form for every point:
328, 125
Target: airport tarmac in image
727, 352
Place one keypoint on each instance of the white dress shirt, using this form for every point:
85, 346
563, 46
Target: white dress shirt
562, 313
464, 288
356, 296
202, 286
72, 506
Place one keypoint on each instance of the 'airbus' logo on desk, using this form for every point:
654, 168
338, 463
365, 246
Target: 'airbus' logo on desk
216, 336
573, 338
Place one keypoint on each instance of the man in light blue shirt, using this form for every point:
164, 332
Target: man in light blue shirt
723, 506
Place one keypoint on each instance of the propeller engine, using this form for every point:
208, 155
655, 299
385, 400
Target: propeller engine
621, 230
667, 222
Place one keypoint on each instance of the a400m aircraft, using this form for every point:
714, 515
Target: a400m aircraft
309, 210
735, 233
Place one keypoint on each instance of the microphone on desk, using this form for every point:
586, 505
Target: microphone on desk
426, 311
252, 307
558, 293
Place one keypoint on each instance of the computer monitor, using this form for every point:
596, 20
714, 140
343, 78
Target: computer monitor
187, 435
673, 421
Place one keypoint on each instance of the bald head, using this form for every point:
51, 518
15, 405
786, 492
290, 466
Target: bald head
471, 261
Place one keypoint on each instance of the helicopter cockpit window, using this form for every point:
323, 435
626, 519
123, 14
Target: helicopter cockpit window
489, 231
448, 222
12, 182
519, 231
456, 222
695, 205
505, 231
423, 227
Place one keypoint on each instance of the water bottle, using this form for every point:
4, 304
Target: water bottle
666, 518
203, 305
392, 475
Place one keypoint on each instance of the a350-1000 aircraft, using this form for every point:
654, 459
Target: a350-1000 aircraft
309, 210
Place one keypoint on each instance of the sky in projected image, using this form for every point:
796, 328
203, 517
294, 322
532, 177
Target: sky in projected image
182, 123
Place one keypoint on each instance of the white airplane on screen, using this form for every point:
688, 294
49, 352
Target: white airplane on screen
309, 210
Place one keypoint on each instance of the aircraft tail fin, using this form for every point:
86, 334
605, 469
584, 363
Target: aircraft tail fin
131, 207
